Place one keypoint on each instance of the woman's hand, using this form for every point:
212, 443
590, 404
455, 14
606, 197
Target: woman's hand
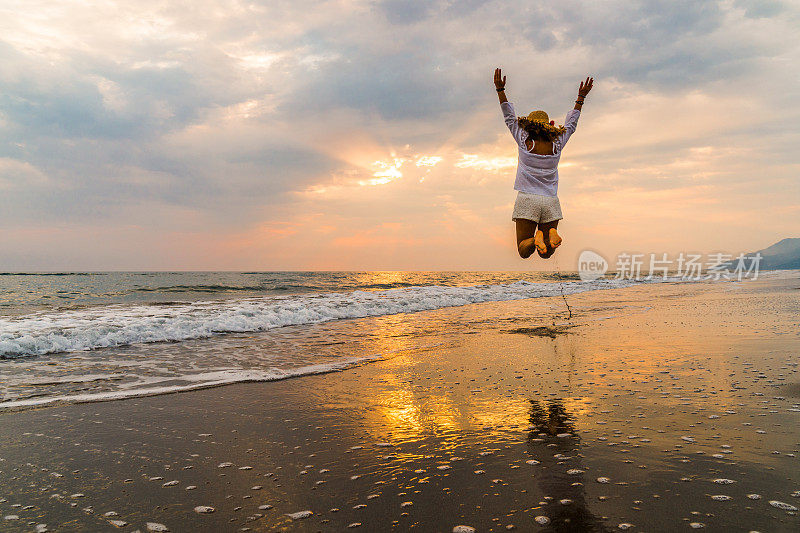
584, 89
499, 80
500, 85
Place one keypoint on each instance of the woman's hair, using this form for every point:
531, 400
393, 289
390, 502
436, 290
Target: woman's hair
540, 131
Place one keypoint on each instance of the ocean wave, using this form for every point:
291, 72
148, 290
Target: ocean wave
119, 325
383, 286
53, 273
199, 288
562, 276
268, 287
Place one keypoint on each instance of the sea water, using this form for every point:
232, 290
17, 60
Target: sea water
94, 336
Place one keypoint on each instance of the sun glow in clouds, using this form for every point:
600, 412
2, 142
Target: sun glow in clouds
388, 172
492, 164
428, 160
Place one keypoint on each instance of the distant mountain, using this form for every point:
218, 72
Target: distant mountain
782, 255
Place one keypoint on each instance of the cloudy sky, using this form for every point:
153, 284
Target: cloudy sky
365, 134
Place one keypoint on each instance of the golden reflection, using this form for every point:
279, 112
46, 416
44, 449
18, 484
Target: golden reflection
580, 407
382, 280
492, 411
652, 366
398, 407
415, 412
408, 411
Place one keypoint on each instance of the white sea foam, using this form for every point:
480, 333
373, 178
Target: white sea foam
202, 380
120, 325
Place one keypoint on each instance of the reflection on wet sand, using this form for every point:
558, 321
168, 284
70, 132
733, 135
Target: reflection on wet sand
554, 441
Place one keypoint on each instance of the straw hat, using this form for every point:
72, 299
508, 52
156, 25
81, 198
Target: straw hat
538, 116
539, 126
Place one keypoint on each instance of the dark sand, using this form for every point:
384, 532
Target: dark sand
666, 407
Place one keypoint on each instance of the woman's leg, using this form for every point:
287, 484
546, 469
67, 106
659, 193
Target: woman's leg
551, 238
526, 232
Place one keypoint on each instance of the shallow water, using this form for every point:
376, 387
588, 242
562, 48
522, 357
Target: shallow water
127, 334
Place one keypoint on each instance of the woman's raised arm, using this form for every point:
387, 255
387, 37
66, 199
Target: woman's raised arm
500, 85
583, 91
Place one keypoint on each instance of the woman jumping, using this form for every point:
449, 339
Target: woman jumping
540, 143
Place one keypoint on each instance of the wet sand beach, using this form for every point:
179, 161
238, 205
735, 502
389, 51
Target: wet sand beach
662, 407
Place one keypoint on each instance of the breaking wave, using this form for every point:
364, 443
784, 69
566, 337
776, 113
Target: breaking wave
124, 324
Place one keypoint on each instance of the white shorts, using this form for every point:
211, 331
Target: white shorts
537, 208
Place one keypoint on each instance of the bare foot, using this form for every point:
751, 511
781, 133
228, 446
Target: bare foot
538, 241
555, 238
